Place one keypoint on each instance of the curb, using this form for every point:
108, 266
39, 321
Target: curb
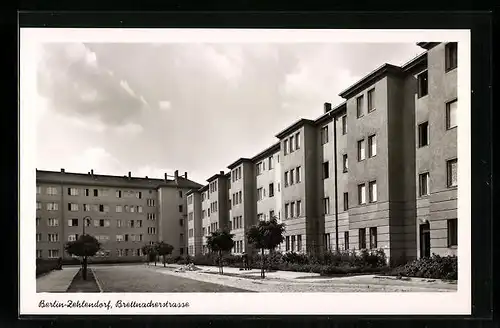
97, 281
71, 281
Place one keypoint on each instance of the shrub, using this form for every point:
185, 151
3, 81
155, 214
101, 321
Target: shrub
46, 265
434, 267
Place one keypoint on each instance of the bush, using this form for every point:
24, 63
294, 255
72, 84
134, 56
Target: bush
46, 265
434, 267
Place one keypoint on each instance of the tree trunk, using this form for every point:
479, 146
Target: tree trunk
262, 272
84, 269
221, 271
164, 263
155, 259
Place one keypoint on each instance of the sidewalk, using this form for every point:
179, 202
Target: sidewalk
56, 281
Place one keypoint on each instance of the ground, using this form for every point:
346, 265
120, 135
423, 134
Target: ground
137, 279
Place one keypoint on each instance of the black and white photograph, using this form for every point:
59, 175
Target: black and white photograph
179, 169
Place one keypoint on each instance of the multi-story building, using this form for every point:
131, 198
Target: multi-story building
378, 171
123, 213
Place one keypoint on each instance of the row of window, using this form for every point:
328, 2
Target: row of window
450, 64
237, 198
362, 238
236, 174
54, 237
261, 166
372, 192
213, 207
293, 176
261, 192
236, 223
213, 186
73, 207
293, 209
291, 144
238, 247
372, 147
293, 243
360, 103
451, 178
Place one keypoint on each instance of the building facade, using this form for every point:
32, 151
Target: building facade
123, 213
378, 171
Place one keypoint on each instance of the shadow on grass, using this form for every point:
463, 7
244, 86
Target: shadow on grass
78, 285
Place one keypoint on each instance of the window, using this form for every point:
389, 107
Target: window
53, 253
344, 125
190, 233
362, 238
181, 222
73, 191
190, 216
344, 163
326, 170
87, 192
51, 222
86, 207
451, 56
299, 208
372, 146
180, 193
139, 209
324, 135
423, 134
38, 221
361, 150
151, 216
298, 174
287, 211
38, 237
190, 199
260, 194
346, 201
359, 106
38, 190
52, 206
180, 208
271, 190
299, 243
297, 140
151, 230
285, 147
270, 163
118, 209
292, 144
451, 166
286, 179
326, 205
346, 240
271, 214
451, 114
260, 168
72, 237
293, 244
39, 205
422, 84
292, 176
38, 253
423, 184
373, 238
151, 202
240, 197
326, 240
96, 192
51, 191
119, 238
292, 209
361, 194
287, 243
260, 217
372, 186
452, 233
371, 100
53, 237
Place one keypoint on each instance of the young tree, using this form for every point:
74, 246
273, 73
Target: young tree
85, 246
266, 235
146, 250
220, 241
163, 249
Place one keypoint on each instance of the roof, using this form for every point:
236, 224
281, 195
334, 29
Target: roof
216, 176
238, 162
370, 79
427, 45
420, 60
327, 117
203, 188
267, 152
111, 180
293, 127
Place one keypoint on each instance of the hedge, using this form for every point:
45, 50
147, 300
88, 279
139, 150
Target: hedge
46, 265
434, 267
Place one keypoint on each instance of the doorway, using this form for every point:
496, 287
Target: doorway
425, 240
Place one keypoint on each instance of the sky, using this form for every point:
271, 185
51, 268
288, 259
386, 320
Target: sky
154, 108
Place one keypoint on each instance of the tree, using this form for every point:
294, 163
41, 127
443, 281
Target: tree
220, 241
164, 249
147, 250
266, 235
85, 246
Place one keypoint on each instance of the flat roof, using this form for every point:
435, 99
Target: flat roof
238, 162
294, 127
266, 152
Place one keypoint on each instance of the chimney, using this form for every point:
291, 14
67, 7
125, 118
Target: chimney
62, 170
176, 176
328, 107
221, 172
185, 175
166, 178
146, 176
129, 175
92, 172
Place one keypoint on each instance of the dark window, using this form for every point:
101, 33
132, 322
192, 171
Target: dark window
326, 170
180, 193
451, 56
181, 250
359, 106
371, 100
346, 201
451, 167
180, 208
423, 181
96, 192
344, 163
344, 124
271, 190
324, 135
423, 134
181, 222
373, 238
452, 233
451, 114
140, 194
422, 84
101, 208
69, 191
87, 192
346, 240
362, 238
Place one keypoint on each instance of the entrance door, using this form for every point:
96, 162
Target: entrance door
425, 240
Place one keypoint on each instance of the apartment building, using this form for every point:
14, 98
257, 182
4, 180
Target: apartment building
123, 213
378, 171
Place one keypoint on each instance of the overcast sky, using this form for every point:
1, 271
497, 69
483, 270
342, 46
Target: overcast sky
155, 108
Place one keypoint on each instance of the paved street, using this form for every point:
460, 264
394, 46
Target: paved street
138, 279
